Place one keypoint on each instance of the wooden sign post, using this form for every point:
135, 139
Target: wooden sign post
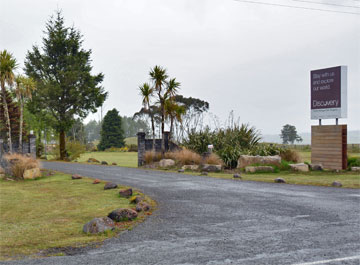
329, 101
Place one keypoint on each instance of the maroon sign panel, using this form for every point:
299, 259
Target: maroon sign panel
326, 88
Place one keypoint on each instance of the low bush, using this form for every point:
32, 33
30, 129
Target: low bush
184, 157
151, 157
290, 155
353, 162
74, 150
117, 149
19, 163
132, 148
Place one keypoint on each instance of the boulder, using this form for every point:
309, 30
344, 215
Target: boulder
32, 173
316, 167
99, 225
136, 199
279, 180
110, 185
181, 170
76, 176
96, 181
211, 168
93, 160
190, 167
355, 169
246, 160
142, 206
236, 176
166, 163
336, 184
259, 169
114, 164
122, 214
301, 167
126, 193
104, 163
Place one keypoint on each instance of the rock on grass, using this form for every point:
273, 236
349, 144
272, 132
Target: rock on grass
76, 176
123, 214
110, 185
126, 193
99, 225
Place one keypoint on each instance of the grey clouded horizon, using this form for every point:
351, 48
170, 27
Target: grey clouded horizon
250, 58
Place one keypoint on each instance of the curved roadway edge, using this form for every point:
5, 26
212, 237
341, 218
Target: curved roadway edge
202, 220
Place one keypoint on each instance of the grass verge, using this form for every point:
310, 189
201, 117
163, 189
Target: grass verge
347, 179
124, 159
49, 213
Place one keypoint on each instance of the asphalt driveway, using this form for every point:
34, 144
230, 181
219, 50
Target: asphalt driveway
202, 220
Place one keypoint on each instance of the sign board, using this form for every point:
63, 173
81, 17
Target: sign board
329, 93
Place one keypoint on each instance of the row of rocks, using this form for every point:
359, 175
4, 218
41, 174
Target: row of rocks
93, 160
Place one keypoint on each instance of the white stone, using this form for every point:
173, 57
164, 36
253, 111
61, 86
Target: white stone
246, 160
299, 167
32, 173
166, 163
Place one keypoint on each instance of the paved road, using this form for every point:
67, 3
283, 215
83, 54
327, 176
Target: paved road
203, 220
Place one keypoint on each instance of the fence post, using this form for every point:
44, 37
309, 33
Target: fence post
32, 145
141, 148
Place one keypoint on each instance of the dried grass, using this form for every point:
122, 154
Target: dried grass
290, 156
151, 156
213, 159
185, 157
19, 163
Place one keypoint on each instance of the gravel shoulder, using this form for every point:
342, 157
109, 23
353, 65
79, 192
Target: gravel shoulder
203, 220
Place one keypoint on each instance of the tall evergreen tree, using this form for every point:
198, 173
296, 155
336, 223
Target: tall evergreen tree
112, 134
66, 88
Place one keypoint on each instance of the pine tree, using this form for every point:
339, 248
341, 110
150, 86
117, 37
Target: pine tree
66, 87
112, 134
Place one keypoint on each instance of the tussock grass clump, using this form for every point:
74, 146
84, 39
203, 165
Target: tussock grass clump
290, 155
19, 163
213, 159
151, 156
185, 157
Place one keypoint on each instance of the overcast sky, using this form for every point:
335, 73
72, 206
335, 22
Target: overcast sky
250, 58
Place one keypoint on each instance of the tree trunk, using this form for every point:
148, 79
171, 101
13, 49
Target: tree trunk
21, 125
171, 127
62, 145
153, 128
7, 117
163, 130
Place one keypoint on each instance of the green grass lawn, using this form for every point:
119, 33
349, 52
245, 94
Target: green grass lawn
50, 212
347, 179
131, 140
123, 159
306, 155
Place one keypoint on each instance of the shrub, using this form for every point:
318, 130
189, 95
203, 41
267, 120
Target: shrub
228, 142
264, 149
133, 148
117, 149
19, 163
184, 157
353, 162
151, 157
230, 156
74, 149
213, 159
290, 155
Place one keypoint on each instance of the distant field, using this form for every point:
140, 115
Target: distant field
306, 155
131, 140
123, 159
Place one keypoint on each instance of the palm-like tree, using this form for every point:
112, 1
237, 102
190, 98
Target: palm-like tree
24, 88
7, 66
174, 112
158, 75
147, 93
